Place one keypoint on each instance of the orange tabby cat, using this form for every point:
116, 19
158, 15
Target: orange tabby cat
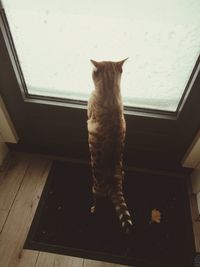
106, 130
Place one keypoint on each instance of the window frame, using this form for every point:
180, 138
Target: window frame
140, 117
81, 103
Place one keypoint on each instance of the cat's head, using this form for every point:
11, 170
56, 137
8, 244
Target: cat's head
108, 72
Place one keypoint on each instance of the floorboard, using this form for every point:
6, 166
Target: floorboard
92, 263
29, 181
22, 178
50, 259
11, 177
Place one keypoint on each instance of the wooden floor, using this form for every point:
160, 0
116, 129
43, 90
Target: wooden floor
22, 178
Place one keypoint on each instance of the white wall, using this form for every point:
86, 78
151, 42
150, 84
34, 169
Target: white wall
192, 160
7, 128
3, 151
192, 156
195, 178
7, 131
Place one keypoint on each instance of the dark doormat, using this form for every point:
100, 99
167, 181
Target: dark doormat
64, 225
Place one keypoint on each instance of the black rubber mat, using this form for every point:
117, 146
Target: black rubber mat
63, 223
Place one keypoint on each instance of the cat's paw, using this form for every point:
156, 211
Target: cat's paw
127, 226
155, 216
92, 209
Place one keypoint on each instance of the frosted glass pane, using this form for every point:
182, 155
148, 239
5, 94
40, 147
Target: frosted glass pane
55, 41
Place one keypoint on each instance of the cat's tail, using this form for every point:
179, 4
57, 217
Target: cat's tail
121, 208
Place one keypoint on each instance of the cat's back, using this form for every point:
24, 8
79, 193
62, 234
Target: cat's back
105, 118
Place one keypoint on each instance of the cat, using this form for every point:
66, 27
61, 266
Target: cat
106, 136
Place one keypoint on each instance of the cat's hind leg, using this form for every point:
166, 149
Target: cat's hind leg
93, 207
155, 216
98, 196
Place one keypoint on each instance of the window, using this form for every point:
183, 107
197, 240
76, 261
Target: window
56, 39
156, 135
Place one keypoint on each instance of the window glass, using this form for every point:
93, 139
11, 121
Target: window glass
55, 41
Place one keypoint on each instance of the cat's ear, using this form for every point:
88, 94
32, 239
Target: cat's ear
120, 64
97, 65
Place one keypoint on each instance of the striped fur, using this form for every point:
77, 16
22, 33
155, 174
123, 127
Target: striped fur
106, 136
